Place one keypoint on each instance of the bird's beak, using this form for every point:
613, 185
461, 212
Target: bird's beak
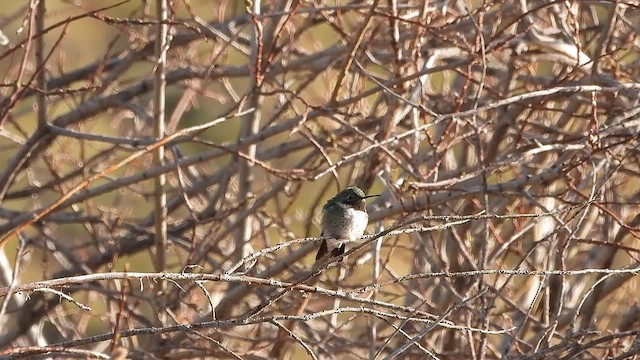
370, 196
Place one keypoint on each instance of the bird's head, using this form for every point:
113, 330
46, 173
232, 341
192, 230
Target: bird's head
352, 196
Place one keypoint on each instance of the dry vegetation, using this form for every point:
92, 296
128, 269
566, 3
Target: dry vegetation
502, 135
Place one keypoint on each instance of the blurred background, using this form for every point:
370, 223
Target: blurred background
501, 135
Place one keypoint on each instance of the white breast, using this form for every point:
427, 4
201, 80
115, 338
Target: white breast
348, 224
361, 219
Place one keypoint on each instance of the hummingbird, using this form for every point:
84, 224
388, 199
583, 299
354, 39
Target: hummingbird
344, 217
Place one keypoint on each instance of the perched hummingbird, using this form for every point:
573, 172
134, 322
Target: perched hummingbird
344, 217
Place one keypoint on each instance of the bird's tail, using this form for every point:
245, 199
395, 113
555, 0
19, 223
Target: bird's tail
324, 250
